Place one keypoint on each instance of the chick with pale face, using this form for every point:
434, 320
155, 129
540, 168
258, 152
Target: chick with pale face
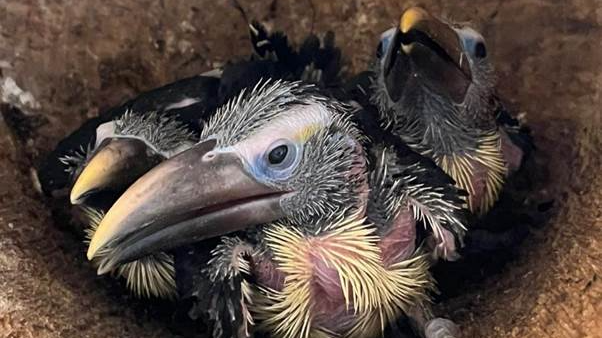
282, 173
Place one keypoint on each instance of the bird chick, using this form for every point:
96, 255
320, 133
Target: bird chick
122, 151
434, 85
285, 153
138, 138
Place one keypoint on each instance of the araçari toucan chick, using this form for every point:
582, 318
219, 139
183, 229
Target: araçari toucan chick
102, 159
284, 153
108, 153
125, 149
435, 88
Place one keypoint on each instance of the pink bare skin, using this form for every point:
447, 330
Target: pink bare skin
399, 243
513, 155
329, 310
478, 182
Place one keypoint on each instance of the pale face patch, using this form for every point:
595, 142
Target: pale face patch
296, 125
290, 130
104, 131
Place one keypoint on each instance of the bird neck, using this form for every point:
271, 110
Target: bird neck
470, 152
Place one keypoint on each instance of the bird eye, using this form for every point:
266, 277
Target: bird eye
278, 154
479, 50
281, 157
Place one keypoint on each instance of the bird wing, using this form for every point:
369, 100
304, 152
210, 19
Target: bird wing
316, 60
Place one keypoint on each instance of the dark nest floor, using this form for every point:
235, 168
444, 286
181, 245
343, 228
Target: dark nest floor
79, 57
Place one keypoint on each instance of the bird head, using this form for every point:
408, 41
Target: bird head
282, 151
124, 150
426, 63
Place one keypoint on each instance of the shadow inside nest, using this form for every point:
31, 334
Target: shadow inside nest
495, 241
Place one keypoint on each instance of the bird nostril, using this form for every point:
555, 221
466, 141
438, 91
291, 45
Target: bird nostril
208, 156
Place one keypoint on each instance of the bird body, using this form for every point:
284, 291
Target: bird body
347, 272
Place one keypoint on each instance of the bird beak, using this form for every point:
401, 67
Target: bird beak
198, 194
430, 50
116, 164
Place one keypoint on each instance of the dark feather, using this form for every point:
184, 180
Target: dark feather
215, 288
322, 55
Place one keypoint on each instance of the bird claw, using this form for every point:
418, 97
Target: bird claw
441, 328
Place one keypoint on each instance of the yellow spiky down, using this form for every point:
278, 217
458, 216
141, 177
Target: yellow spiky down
152, 276
460, 168
374, 294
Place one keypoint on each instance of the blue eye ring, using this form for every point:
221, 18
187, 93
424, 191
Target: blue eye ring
473, 43
383, 44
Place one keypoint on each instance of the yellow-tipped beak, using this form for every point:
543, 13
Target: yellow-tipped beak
417, 20
426, 49
96, 175
114, 167
411, 17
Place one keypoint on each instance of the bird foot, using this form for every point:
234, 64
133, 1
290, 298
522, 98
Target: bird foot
441, 328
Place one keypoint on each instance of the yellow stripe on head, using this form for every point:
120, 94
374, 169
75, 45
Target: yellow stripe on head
307, 132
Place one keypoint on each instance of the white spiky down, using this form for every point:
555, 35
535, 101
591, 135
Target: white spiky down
396, 188
151, 276
161, 133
